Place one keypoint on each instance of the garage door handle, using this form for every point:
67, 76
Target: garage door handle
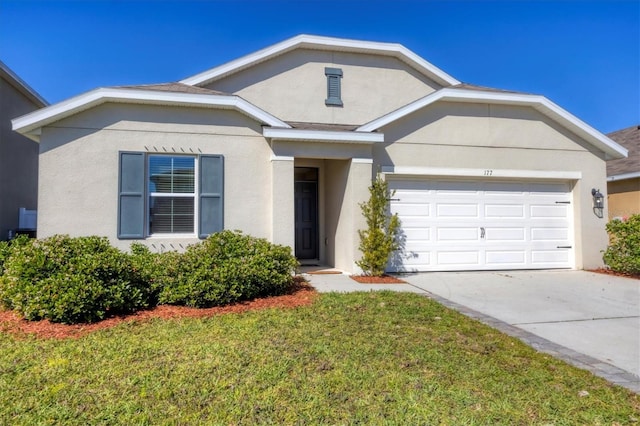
482, 232
564, 247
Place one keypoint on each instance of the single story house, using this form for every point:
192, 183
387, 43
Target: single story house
623, 175
283, 144
18, 155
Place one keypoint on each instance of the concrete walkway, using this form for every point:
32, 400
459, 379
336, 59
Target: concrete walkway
589, 320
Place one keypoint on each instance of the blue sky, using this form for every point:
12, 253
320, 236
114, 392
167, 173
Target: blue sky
583, 55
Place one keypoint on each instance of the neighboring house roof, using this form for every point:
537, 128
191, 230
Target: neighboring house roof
625, 168
19, 84
473, 94
30, 124
305, 41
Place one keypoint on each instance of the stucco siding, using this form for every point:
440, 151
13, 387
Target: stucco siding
624, 198
484, 125
79, 166
18, 160
482, 137
293, 86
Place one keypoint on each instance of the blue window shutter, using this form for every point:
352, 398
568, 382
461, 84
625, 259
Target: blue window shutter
131, 195
334, 95
211, 195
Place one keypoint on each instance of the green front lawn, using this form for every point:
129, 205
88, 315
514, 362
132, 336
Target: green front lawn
354, 358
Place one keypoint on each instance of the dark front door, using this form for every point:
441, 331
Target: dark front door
306, 200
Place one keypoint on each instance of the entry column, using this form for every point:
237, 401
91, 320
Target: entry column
360, 175
282, 201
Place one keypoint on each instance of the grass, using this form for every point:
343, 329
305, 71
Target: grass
373, 358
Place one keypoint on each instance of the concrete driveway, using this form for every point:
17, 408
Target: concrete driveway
593, 314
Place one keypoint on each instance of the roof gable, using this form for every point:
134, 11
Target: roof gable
323, 43
611, 149
31, 124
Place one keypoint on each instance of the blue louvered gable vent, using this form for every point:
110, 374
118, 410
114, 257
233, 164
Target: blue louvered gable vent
334, 76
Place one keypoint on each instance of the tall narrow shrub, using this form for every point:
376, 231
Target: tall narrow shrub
380, 239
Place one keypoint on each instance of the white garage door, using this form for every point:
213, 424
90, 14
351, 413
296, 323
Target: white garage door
450, 225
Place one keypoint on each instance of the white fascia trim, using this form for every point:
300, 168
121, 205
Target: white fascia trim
483, 173
322, 136
540, 103
281, 158
324, 43
623, 176
362, 160
28, 124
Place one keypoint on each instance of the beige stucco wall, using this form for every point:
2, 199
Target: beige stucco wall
624, 198
18, 160
79, 163
345, 188
79, 166
486, 137
293, 86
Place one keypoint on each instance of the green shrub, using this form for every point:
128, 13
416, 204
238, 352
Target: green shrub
623, 253
71, 280
228, 267
5, 251
6, 247
158, 270
380, 239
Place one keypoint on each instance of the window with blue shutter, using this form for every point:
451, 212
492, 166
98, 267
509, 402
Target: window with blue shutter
131, 195
334, 77
211, 186
158, 195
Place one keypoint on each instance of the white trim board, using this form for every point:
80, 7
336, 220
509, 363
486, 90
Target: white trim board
623, 176
481, 173
30, 124
540, 103
305, 41
322, 136
281, 158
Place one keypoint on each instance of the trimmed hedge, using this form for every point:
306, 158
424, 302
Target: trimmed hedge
71, 280
85, 279
228, 267
623, 253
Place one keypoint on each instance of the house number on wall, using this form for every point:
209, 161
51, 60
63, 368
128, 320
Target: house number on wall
488, 172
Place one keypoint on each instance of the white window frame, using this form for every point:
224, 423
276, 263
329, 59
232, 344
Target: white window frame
194, 195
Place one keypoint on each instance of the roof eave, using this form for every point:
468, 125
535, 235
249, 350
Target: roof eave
623, 176
23, 87
323, 43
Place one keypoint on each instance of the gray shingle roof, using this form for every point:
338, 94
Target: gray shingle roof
468, 86
630, 139
176, 88
322, 126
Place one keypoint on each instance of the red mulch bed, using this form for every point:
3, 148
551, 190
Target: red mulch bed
610, 272
385, 279
10, 322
